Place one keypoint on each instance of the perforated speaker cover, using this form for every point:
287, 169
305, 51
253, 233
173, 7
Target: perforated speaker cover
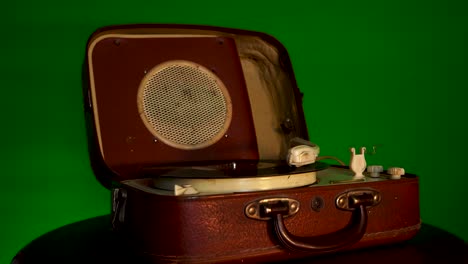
184, 105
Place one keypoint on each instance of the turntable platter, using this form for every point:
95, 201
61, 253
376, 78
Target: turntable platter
244, 176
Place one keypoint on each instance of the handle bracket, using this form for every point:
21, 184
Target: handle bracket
266, 209
351, 200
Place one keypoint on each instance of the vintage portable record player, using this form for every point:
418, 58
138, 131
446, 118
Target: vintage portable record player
200, 133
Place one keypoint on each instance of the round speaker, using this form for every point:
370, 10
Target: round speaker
184, 104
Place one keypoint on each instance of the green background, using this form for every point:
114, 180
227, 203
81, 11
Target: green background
385, 73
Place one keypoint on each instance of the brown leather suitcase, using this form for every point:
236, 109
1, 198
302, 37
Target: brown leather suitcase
190, 127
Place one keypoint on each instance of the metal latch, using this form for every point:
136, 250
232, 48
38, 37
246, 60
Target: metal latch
355, 198
119, 200
265, 209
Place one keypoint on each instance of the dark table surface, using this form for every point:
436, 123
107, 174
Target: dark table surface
92, 241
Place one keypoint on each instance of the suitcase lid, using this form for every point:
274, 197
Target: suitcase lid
164, 95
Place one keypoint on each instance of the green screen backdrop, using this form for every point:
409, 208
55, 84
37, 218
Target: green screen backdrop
391, 74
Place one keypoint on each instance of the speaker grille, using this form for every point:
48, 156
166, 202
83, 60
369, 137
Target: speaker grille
184, 105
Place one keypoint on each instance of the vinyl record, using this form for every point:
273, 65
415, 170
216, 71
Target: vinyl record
234, 169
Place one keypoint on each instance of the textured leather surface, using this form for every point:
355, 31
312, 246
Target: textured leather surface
215, 228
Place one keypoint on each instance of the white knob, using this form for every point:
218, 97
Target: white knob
395, 172
374, 170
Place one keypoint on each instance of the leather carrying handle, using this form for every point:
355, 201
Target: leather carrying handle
335, 241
